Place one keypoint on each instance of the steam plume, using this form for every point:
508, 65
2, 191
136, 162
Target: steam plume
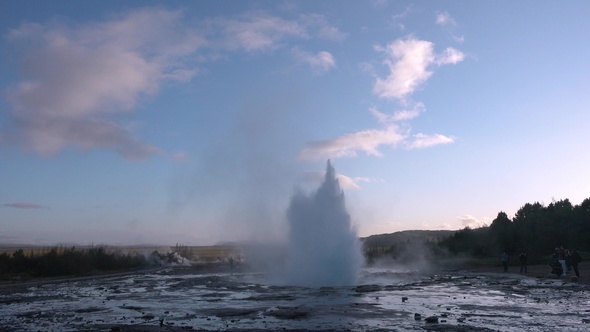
323, 250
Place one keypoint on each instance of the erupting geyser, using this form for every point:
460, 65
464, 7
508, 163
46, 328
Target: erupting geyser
324, 250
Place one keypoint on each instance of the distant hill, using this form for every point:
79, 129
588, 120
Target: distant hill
387, 240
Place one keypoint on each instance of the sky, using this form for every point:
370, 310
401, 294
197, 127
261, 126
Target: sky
195, 122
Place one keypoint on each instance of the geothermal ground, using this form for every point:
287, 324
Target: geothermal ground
215, 298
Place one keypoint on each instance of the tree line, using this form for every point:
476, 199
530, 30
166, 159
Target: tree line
535, 229
67, 262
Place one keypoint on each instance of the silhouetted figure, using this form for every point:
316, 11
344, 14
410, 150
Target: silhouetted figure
561, 256
523, 262
505, 259
231, 263
576, 259
556, 267
568, 260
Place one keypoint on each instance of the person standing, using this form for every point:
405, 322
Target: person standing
505, 259
523, 262
576, 258
561, 256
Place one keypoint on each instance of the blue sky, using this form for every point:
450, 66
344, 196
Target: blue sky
195, 122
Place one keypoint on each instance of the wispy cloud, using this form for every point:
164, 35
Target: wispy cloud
421, 141
367, 141
78, 80
400, 115
443, 18
410, 64
259, 31
25, 205
322, 61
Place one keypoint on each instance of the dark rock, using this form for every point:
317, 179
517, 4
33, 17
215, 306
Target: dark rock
289, 313
431, 319
367, 288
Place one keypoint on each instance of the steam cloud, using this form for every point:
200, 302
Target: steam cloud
324, 250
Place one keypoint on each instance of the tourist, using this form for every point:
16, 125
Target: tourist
576, 258
523, 262
505, 260
556, 267
561, 258
568, 260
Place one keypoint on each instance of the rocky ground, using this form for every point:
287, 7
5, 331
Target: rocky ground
212, 299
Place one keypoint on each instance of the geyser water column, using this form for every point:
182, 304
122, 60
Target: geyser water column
324, 249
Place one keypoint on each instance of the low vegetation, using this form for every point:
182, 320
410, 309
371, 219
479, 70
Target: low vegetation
66, 262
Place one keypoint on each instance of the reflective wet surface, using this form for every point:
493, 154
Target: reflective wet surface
181, 299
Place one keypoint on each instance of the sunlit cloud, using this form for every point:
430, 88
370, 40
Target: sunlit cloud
421, 141
471, 221
322, 61
443, 18
450, 56
320, 27
367, 141
259, 31
25, 205
409, 61
400, 115
77, 78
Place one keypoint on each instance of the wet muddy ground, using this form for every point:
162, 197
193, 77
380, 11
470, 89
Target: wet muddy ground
186, 299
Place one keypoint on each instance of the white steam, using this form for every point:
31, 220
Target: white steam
324, 250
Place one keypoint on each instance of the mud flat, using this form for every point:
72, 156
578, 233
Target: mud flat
189, 298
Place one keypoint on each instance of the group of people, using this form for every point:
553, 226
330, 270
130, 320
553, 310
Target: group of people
564, 260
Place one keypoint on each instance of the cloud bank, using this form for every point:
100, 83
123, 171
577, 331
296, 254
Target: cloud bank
77, 82
78, 79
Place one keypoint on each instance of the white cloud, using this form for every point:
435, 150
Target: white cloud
400, 115
367, 141
370, 141
471, 221
322, 61
408, 61
77, 78
259, 31
324, 30
443, 18
84, 76
450, 56
421, 141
